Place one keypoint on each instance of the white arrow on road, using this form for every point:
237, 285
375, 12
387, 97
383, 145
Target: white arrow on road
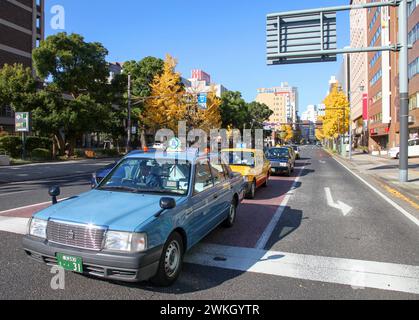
337, 205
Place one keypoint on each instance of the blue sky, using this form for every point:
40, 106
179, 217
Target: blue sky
225, 38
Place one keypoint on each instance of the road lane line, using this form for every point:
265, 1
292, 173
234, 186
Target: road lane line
13, 225
264, 238
355, 273
395, 205
27, 207
16, 192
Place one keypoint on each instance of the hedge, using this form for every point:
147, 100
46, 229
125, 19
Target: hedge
41, 154
12, 145
33, 143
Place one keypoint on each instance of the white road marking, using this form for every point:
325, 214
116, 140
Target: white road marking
30, 206
264, 238
395, 205
16, 192
355, 273
13, 225
322, 161
337, 205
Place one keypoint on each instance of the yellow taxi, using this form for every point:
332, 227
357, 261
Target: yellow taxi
252, 164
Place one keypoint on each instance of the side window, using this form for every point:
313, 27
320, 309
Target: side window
218, 173
203, 177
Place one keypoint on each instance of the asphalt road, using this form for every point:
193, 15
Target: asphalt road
322, 247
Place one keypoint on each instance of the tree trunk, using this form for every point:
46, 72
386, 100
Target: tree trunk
60, 143
142, 138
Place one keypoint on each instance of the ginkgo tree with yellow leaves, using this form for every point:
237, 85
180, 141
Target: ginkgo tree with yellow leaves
336, 117
286, 133
166, 106
170, 103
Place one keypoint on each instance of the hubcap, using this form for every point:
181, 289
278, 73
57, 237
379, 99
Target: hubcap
172, 258
232, 212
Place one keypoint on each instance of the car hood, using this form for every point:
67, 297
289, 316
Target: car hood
114, 210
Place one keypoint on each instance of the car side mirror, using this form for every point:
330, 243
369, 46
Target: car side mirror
167, 203
54, 192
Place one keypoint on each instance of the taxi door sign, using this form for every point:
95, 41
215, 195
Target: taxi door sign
22, 121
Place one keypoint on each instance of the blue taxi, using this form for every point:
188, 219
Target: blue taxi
139, 221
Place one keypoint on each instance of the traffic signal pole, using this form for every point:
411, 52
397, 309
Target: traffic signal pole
404, 91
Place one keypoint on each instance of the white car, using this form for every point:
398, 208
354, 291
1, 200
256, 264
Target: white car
413, 149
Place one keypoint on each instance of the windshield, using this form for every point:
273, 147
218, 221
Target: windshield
149, 175
277, 153
239, 158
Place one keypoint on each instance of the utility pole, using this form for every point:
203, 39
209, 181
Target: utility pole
404, 91
128, 145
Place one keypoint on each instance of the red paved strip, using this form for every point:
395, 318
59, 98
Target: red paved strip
24, 212
253, 216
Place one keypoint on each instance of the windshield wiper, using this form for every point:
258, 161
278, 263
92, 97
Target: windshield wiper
122, 188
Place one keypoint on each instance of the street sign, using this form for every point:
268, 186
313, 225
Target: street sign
311, 34
202, 101
22, 121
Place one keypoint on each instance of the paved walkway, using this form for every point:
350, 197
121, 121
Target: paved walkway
386, 171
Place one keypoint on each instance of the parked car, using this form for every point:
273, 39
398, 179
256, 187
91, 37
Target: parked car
413, 149
251, 164
296, 151
281, 160
292, 154
140, 220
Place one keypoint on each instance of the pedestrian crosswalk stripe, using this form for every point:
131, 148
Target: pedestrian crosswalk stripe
13, 225
355, 273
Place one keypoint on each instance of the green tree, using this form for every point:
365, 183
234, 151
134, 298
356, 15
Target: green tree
17, 86
233, 110
77, 91
257, 114
143, 73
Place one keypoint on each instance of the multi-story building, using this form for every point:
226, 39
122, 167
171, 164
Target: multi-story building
382, 80
383, 77
358, 87
200, 82
21, 29
283, 101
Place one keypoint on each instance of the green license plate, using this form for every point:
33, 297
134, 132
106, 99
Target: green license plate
70, 263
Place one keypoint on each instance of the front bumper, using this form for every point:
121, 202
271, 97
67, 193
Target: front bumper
134, 267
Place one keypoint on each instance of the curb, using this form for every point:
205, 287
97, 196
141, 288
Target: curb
409, 198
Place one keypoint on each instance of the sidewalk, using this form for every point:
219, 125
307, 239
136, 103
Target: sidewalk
385, 171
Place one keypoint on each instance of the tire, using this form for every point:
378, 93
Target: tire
398, 156
251, 193
171, 261
229, 222
288, 173
265, 184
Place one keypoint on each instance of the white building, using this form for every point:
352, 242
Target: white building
200, 82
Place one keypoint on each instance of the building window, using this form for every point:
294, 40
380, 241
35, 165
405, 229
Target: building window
413, 101
377, 97
375, 58
414, 34
374, 18
376, 77
413, 68
411, 6
375, 37
377, 118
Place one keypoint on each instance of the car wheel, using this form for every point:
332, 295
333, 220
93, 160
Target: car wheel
288, 173
229, 222
265, 184
252, 191
397, 156
171, 260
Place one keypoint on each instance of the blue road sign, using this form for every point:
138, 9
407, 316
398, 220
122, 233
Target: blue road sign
202, 100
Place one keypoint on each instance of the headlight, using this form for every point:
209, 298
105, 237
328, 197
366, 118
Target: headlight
38, 228
125, 241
